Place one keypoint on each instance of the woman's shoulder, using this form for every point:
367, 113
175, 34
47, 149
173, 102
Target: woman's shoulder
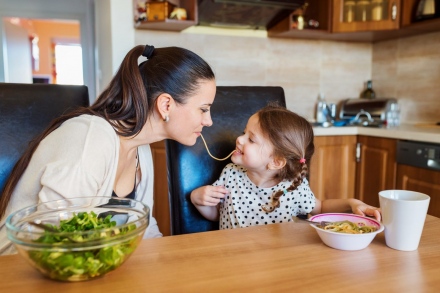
94, 127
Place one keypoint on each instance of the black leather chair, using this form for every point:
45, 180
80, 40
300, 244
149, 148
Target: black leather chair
25, 111
192, 167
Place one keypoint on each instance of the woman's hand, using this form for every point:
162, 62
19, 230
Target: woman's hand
208, 195
360, 208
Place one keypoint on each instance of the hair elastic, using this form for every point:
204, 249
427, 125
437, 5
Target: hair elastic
148, 51
302, 160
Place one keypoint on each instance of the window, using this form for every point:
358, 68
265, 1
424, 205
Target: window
68, 64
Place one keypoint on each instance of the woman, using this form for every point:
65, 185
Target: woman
103, 149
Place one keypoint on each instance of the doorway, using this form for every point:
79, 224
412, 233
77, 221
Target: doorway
79, 11
43, 51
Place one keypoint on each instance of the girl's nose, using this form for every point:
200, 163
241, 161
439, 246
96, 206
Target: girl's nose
240, 139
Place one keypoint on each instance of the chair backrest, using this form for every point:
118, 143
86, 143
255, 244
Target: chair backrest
25, 111
192, 167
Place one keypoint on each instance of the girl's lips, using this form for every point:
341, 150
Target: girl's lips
237, 151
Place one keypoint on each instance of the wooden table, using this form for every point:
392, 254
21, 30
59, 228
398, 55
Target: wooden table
275, 258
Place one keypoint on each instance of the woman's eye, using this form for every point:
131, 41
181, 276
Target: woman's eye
205, 110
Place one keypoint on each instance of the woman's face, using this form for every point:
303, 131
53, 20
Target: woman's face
253, 150
187, 121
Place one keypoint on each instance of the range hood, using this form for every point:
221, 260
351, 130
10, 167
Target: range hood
245, 14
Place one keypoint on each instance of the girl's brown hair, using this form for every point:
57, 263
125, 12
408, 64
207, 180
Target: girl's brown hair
292, 139
128, 100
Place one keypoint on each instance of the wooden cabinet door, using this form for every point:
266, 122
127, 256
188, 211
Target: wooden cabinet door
353, 16
332, 169
161, 208
421, 180
376, 168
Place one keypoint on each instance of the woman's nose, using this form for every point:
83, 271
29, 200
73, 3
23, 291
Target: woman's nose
207, 121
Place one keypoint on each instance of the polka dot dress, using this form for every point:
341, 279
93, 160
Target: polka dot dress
242, 206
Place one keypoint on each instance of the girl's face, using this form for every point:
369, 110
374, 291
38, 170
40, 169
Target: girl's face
253, 150
187, 121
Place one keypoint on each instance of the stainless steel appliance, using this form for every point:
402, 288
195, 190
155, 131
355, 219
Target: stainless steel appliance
367, 112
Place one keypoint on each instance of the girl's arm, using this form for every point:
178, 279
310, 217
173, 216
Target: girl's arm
344, 206
206, 200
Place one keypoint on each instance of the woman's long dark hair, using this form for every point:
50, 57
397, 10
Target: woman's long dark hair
128, 100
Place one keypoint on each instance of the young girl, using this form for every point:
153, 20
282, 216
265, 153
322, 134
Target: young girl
266, 183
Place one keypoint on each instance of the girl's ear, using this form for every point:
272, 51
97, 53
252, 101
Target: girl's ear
277, 163
164, 103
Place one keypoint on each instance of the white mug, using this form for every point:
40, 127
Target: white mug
403, 215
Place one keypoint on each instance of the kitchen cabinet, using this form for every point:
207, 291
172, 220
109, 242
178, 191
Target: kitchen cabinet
375, 167
161, 208
421, 180
332, 168
365, 15
334, 25
168, 24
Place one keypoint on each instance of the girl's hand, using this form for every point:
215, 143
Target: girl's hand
360, 208
208, 195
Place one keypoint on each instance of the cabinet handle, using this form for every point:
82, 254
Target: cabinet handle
358, 152
394, 11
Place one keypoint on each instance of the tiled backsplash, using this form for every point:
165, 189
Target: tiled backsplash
407, 69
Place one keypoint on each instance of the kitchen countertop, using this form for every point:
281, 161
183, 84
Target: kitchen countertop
416, 132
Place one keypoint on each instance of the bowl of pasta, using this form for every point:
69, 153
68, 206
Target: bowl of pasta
346, 231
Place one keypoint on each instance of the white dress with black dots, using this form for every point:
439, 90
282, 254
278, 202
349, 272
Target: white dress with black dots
242, 206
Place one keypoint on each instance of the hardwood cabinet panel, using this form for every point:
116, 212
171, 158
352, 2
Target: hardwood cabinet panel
161, 209
332, 169
389, 19
421, 180
376, 168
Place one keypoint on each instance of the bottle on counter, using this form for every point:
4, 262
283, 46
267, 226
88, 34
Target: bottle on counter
368, 93
321, 109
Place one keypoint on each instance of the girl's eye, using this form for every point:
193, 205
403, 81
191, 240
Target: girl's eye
250, 139
205, 110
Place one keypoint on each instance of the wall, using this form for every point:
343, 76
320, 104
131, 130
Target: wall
17, 53
114, 37
409, 69
302, 67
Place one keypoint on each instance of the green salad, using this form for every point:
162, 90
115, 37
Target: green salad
83, 264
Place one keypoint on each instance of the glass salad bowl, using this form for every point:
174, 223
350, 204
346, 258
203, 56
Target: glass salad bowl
78, 239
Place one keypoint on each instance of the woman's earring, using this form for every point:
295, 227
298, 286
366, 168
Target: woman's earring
166, 119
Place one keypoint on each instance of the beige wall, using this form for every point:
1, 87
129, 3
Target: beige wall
302, 67
409, 69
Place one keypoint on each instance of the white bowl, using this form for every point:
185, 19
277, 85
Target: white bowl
344, 241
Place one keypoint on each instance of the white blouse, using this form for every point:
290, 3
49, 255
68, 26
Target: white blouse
77, 159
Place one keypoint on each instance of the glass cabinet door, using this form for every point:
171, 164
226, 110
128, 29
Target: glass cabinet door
365, 15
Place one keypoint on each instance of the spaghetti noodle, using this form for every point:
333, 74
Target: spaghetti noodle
209, 153
349, 227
